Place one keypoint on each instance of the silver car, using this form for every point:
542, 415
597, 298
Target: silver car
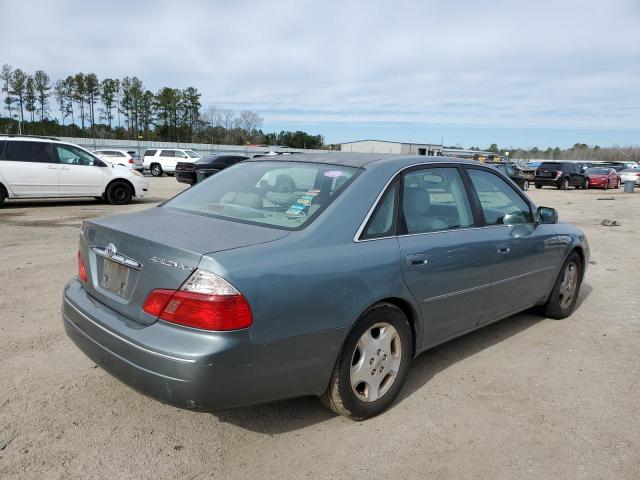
313, 275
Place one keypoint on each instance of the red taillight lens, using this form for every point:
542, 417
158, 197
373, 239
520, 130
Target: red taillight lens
131, 160
82, 270
199, 310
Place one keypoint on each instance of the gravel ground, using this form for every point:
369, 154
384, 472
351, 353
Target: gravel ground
525, 398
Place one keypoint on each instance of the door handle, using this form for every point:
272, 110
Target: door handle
417, 260
65, 168
52, 167
503, 248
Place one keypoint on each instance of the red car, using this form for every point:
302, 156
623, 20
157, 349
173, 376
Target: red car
602, 177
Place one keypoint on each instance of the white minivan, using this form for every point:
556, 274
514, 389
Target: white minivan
38, 167
164, 160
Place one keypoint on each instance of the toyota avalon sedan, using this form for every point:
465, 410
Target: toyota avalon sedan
313, 275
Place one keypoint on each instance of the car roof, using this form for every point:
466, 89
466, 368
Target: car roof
361, 160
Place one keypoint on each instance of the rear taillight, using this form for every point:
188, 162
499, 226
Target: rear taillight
131, 160
558, 173
82, 270
205, 301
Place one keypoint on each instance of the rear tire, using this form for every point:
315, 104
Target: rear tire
564, 295
3, 195
372, 365
585, 185
617, 183
538, 186
119, 193
564, 185
156, 169
525, 185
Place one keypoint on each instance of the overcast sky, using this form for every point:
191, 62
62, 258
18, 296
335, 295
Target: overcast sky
517, 73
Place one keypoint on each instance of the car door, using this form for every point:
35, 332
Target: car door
524, 254
445, 260
79, 173
168, 160
576, 178
30, 168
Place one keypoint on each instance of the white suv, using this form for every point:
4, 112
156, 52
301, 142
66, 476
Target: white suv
38, 167
128, 158
164, 160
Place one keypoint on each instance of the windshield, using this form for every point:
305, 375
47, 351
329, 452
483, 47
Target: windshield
285, 195
598, 171
192, 154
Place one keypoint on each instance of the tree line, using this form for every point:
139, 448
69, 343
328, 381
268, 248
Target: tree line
82, 105
579, 151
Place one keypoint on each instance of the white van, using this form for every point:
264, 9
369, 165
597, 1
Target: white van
164, 160
39, 167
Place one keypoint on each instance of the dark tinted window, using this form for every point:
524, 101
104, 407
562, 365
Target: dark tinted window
39, 152
150, 153
382, 222
167, 153
500, 203
551, 165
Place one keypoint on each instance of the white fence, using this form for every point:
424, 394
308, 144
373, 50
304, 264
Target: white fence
202, 148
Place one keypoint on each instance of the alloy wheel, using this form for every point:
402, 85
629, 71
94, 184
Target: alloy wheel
375, 362
568, 285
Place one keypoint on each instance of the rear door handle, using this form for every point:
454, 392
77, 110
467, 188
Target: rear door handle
503, 248
65, 168
417, 260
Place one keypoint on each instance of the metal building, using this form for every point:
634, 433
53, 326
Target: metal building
384, 146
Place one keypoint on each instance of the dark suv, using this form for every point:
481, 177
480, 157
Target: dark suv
192, 173
561, 175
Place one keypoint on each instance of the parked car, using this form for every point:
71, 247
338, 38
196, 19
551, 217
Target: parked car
164, 160
127, 158
313, 275
40, 167
513, 172
194, 172
602, 177
529, 170
630, 175
561, 175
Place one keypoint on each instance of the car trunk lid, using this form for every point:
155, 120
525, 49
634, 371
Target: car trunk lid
129, 255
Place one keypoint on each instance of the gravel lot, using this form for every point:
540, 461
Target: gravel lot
527, 397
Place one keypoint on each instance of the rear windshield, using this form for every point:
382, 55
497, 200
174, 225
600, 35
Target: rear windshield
597, 171
192, 153
286, 195
551, 165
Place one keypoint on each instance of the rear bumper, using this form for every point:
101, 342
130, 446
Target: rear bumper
194, 369
186, 177
547, 181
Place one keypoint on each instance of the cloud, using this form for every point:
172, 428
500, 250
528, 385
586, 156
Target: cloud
544, 64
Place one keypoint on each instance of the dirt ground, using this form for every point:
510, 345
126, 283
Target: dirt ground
526, 398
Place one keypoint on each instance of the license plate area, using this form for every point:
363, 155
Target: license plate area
115, 277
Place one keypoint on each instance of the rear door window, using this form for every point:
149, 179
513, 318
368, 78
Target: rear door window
435, 199
167, 153
150, 153
33, 152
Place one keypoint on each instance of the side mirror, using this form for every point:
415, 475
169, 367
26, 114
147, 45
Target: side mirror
547, 215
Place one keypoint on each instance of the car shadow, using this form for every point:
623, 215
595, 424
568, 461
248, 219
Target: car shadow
290, 415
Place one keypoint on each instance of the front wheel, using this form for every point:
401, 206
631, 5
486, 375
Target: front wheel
538, 186
585, 185
372, 365
565, 292
525, 185
617, 183
119, 193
